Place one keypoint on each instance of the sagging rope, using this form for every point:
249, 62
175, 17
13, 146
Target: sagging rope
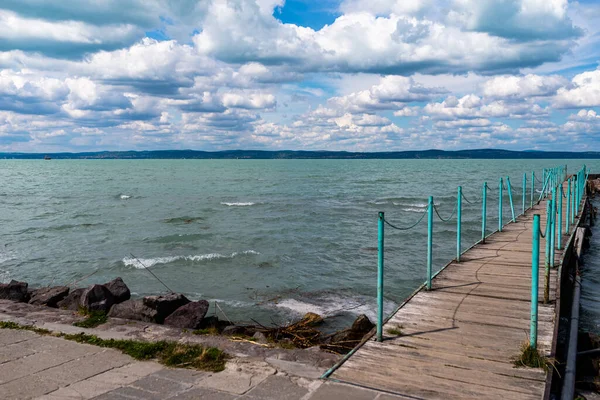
467, 200
410, 227
440, 217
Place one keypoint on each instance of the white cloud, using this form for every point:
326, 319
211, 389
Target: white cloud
521, 87
585, 91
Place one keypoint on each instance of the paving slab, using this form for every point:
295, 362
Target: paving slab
204, 394
330, 391
14, 336
276, 386
156, 384
28, 387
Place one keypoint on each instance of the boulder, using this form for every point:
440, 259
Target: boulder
362, 325
131, 309
163, 306
14, 290
119, 290
48, 296
188, 316
97, 298
234, 330
71, 302
345, 340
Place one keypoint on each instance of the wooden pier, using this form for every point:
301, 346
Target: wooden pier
460, 339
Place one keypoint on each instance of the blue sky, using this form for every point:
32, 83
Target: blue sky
357, 75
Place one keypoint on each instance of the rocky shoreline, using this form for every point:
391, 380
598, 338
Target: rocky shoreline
113, 300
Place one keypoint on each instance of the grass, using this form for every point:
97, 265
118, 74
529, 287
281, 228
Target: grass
171, 354
532, 358
397, 330
92, 319
206, 331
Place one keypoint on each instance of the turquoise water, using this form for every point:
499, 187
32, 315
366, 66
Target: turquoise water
266, 239
590, 271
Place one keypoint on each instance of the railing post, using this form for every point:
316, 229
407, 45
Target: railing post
547, 253
524, 190
532, 187
380, 277
543, 178
500, 206
483, 211
535, 267
568, 211
553, 227
458, 222
429, 240
560, 214
576, 208
510, 198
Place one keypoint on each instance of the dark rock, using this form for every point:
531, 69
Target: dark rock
97, 298
119, 290
362, 325
49, 296
163, 306
188, 316
345, 340
234, 330
131, 309
214, 322
14, 290
71, 302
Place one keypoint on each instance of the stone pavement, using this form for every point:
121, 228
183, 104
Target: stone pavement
51, 368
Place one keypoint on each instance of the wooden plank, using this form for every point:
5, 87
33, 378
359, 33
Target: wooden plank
459, 339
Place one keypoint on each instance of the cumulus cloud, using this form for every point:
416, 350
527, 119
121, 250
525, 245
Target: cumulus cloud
519, 87
584, 91
360, 41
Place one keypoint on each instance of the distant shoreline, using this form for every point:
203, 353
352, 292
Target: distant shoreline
299, 154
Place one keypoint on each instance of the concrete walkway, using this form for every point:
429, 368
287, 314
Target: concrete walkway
46, 367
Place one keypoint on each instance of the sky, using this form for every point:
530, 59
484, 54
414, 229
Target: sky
355, 75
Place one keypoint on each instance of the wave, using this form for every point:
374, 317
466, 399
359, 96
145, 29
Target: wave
124, 197
240, 204
4, 276
331, 305
142, 263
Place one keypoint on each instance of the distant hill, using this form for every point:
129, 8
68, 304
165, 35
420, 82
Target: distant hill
289, 154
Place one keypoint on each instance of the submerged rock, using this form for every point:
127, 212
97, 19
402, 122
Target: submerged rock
14, 290
119, 290
97, 298
163, 306
49, 296
188, 316
71, 302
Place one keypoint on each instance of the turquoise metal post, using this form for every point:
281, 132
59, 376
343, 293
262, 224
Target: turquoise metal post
483, 211
552, 227
500, 206
559, 218
574, 206
524, 190
535, 268
568, 211
548, 216
544, 177
429, 240
532, 187
510, 198
380, 277
577, 194
458, 222
548, 251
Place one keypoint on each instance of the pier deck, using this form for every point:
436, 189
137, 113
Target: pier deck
459, 339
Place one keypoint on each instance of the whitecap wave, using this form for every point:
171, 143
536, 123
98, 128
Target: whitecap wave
239, 204
124, 197
4, 276
410, 209
335, 304
141, 263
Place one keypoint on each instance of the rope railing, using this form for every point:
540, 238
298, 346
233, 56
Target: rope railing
552, 178
435, 208
557, 181
409, 227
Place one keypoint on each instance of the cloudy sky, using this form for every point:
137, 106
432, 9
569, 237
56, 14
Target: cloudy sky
358, 75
